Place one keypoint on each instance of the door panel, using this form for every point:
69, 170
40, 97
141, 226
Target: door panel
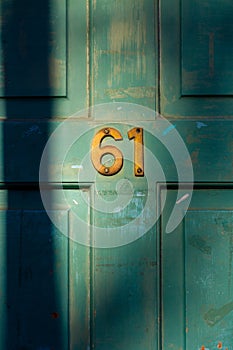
43, 58
124, 52
196, 273
196, 58
44, 275
125, 296
206, 51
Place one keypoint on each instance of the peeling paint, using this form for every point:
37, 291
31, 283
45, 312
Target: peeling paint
57, 72
127, 34
200, 125
76, 166
34, 129
134, 92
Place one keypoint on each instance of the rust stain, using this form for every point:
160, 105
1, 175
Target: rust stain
194, 157
192, 139
219, 346
55, 315
203, 347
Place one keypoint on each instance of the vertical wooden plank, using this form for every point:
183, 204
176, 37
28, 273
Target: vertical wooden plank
79, 280
196, 266
9, 302
124, 52
125, 296
42, 314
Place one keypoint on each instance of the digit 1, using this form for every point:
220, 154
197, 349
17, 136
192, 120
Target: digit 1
137, 135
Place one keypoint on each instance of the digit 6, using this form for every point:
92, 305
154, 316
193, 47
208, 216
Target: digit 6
97, 152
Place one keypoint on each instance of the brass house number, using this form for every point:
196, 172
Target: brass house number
98, 151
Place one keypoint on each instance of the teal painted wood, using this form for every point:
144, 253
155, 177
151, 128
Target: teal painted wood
209, 143
124, 52
206, 50
45, 289
44, 59
196, 273
125, 296
196, 71
30, 288
56, 292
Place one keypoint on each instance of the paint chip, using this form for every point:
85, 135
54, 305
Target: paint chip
76, 166
169, 129
34, 129
183, 198
200, 125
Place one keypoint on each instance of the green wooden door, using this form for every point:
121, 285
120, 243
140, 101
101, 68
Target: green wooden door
196, 258
158, 290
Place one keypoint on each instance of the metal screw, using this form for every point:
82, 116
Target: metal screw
139, 170
106, 131
138, 130
106, 170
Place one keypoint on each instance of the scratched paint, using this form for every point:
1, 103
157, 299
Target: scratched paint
200, 243
134, 92
200, 125
213, 316
127, 38
57, 73
33, 130
183, 198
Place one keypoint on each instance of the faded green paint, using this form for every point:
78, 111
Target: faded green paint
161, 291
214, 316
197, 296
124, 52
44, 58
196, 58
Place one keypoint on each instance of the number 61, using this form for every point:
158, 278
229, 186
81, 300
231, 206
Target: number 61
98, 151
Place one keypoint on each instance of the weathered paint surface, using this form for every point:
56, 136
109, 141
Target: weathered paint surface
162, 291
198, 294
196, 58
124, 52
